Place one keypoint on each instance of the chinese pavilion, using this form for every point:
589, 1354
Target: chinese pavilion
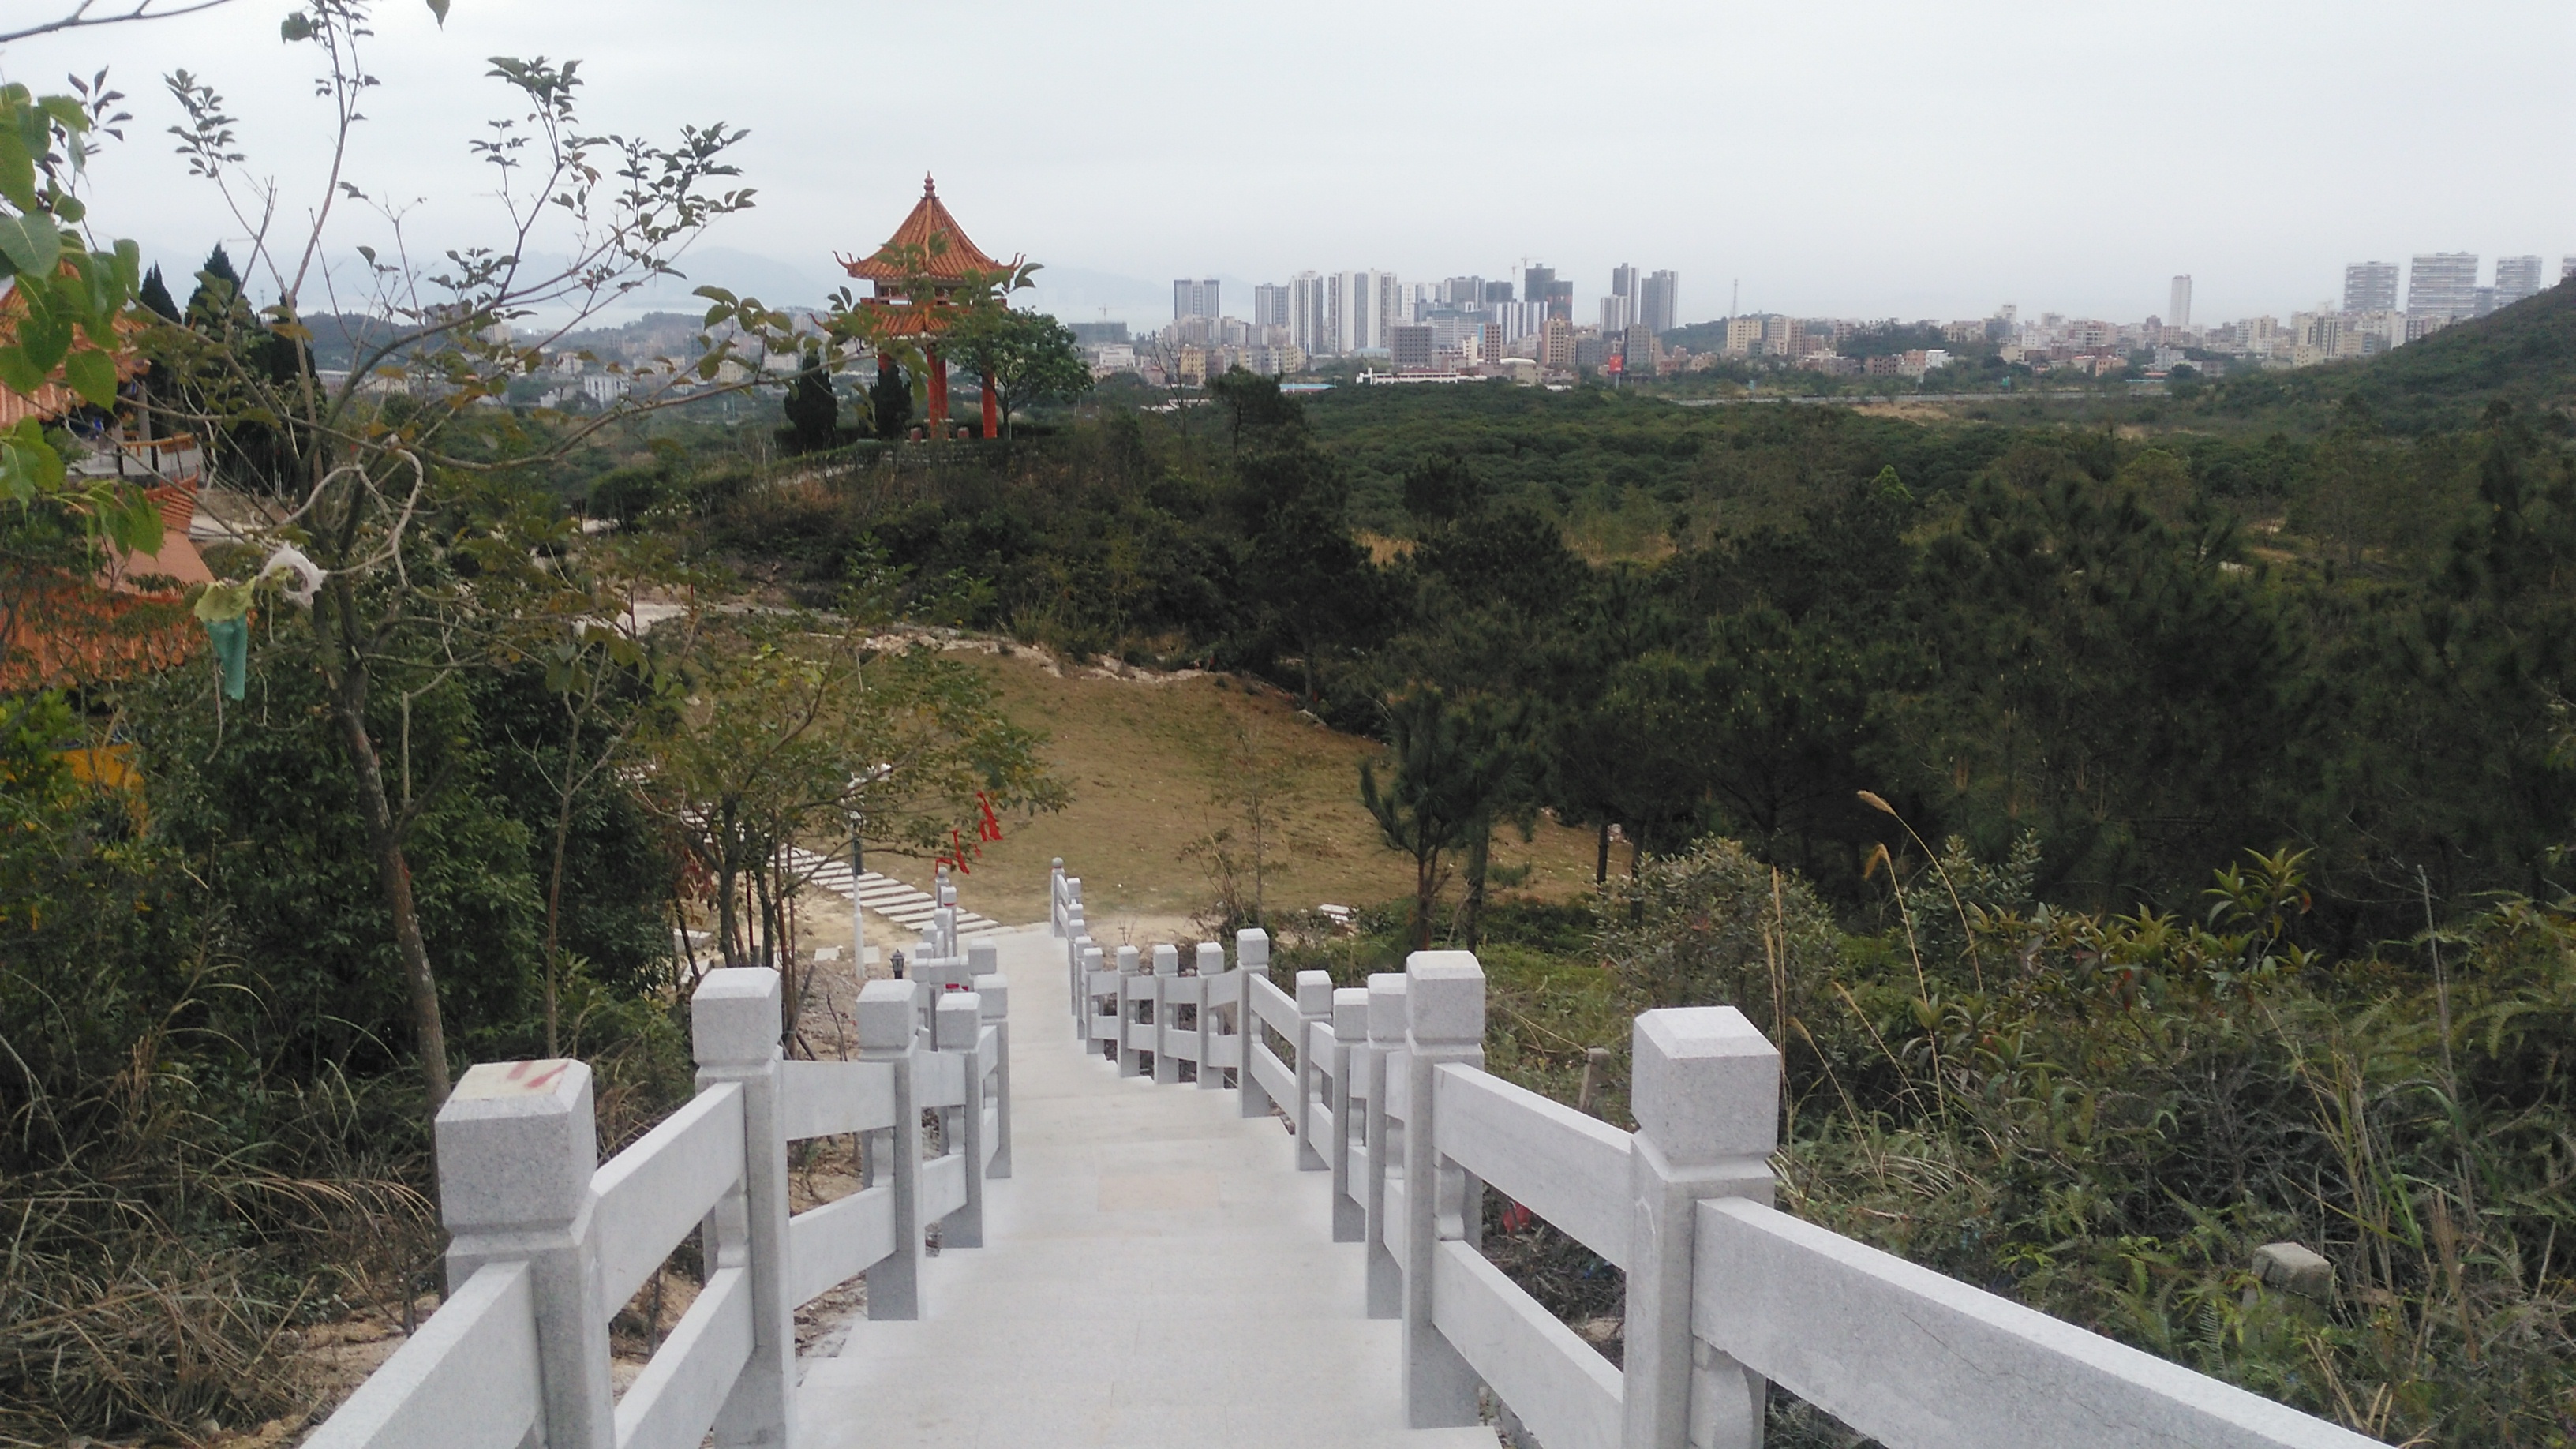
915, 276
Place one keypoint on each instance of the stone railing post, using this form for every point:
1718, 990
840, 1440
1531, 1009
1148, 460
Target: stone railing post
1705, 1088
1211, 966
1133, 987
734, 1023
959, 1028
1092, 964
1252, 958
994, 990
1055, 898
517, 1145
1167, 976
1078, 950
1444, 1009
886, 1034
1350, 1053
1314, 1015
1075, 937
1385, 1139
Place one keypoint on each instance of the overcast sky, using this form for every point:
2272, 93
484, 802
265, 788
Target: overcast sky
1841, 159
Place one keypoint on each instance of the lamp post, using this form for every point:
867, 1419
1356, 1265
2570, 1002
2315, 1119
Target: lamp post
859, 867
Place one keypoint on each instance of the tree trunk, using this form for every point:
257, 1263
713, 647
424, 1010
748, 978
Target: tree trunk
554, 918
393, 875
1471, 912
1426, 883
1601, 865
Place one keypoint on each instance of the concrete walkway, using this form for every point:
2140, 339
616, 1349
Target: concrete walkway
1156, 1273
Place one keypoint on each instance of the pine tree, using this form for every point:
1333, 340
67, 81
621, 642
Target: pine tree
219, 290
813, 409
890, 400
156, 296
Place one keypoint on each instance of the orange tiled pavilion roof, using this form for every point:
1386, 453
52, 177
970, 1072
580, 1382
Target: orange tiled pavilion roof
947, 263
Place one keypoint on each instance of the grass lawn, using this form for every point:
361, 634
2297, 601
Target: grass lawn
1143, 756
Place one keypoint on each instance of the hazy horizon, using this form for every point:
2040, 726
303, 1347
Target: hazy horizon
1877, 160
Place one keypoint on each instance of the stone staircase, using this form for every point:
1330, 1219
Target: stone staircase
888, 897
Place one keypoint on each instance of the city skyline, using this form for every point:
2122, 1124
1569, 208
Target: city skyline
2213, 173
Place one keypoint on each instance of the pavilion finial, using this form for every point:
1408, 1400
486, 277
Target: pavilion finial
928, 186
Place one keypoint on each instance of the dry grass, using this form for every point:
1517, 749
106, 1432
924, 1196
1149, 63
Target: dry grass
1142, 753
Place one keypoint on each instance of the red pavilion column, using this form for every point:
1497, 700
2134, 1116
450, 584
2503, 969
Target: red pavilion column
992, 410
938, 394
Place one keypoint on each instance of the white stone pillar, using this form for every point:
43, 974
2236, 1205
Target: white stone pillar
1704, 1086
1444, 1007
1385, 1141
994, 990
734, 1024
1167, 975
1314, 1010
885, 1028
1350, 1054
1055, 898
959, 1020
1077, 952
1252, 958
1211, 970
1133, 986
517, 1144
1092, 966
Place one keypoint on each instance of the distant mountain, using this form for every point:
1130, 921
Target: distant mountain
2524, 355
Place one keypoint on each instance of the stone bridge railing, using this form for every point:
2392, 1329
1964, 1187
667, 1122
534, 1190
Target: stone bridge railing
549, 1243
1385, 1088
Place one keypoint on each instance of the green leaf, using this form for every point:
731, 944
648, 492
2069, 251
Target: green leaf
17, 170
92, 373
44, 339
297, 26
439, 9
65, 112
32, 241
17, 372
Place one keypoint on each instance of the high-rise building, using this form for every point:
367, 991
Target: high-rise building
1310, 317
1659, 301
1409, 345
1623, 283
1556, 345
1560, 300
2178, 311
1616, 313
2443, 284
2370, 287
1489, 344
1360, 307
2516, 278
1194, 298
1270, 306
1499, 294
2566, 268
1535, 282
1639, 352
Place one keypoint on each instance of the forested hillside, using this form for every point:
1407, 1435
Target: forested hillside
2145, 840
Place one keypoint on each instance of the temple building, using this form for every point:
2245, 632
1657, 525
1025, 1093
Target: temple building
914, 278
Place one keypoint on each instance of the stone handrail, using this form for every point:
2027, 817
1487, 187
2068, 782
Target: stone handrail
1388, 1090
548, 1243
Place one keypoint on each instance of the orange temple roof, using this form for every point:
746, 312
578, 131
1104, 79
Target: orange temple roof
949, 262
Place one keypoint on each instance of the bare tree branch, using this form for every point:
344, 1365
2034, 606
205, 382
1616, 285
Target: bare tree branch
82, 17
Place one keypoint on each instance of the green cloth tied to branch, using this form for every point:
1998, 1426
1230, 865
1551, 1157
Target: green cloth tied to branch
225, 611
